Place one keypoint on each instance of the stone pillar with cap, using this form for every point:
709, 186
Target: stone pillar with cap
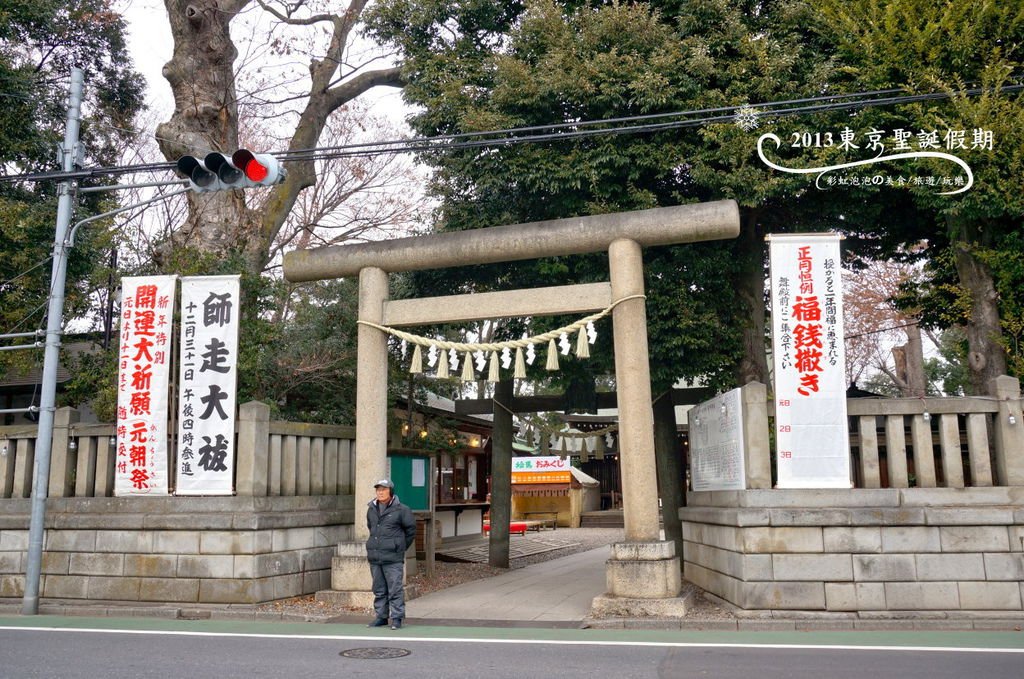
350, 575
644, 575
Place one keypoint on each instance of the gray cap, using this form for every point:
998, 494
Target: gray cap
384, 483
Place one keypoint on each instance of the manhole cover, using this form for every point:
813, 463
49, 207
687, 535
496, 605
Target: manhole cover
375, 653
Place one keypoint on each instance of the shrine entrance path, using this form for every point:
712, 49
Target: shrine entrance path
556, 591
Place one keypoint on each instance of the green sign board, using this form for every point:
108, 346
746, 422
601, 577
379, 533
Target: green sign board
411, 476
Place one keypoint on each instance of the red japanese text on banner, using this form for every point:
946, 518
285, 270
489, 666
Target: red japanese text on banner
144, 367
812, 440
208, 373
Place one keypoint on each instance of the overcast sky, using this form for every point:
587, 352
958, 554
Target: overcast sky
151, 45
149, 39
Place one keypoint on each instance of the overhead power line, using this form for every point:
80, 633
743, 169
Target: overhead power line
641, 124
604, 121
881, 330
27, 271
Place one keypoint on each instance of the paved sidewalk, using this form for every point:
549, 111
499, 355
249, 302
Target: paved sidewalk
556, 591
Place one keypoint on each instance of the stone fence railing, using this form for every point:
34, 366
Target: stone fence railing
913, 442
273, 458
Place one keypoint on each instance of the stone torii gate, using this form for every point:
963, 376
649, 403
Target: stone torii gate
643, 569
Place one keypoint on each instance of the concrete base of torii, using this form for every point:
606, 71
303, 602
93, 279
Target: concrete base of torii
643, 578
351, 583
608, 606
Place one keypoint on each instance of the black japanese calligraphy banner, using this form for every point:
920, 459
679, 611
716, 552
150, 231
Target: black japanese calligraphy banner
144, 367
208, 361
813, 448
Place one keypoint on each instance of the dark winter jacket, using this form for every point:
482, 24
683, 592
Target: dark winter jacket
392, 530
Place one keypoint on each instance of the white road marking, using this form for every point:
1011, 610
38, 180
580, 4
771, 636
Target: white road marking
549, 642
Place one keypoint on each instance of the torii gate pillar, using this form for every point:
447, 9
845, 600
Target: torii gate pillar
370, 459
350, 576
633, 383
644, 567
644, 573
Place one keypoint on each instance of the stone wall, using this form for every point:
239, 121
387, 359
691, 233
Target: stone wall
934, 552
170, 549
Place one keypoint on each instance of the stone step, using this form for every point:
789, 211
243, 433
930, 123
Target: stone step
602, 523
613, 518
604, 519
358, 600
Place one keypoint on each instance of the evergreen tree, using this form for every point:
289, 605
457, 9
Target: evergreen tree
974, 238
473, 66
40, 41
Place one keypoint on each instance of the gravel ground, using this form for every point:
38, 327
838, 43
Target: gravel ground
448, 574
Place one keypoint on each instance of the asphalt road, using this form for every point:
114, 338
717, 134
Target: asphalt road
76, 647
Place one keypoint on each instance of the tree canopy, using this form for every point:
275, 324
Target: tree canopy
473, 66
951, 47
40, 40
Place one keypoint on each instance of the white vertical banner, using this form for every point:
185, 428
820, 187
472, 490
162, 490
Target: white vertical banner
812, 440
143, 382
208, 360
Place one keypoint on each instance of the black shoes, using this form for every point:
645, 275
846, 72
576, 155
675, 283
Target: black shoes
381, 622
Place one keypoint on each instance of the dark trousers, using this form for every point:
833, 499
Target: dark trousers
389, 590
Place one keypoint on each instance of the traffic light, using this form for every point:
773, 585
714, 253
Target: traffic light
200, 178
262, 169
244, 169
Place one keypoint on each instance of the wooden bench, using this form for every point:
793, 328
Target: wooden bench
541, 521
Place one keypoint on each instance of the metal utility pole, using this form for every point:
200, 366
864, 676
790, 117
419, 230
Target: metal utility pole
54, 320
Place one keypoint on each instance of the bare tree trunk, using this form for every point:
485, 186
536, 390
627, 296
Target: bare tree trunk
909, 365
323, 100
670, 473
753, 367
916, 382
899, 376
202, 78
201, 75
986, 357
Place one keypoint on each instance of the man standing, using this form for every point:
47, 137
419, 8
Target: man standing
392, 530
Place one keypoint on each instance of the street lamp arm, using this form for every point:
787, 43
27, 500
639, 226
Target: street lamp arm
118, 187
71, 237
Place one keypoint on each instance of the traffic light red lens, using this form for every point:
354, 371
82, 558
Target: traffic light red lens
255, 171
